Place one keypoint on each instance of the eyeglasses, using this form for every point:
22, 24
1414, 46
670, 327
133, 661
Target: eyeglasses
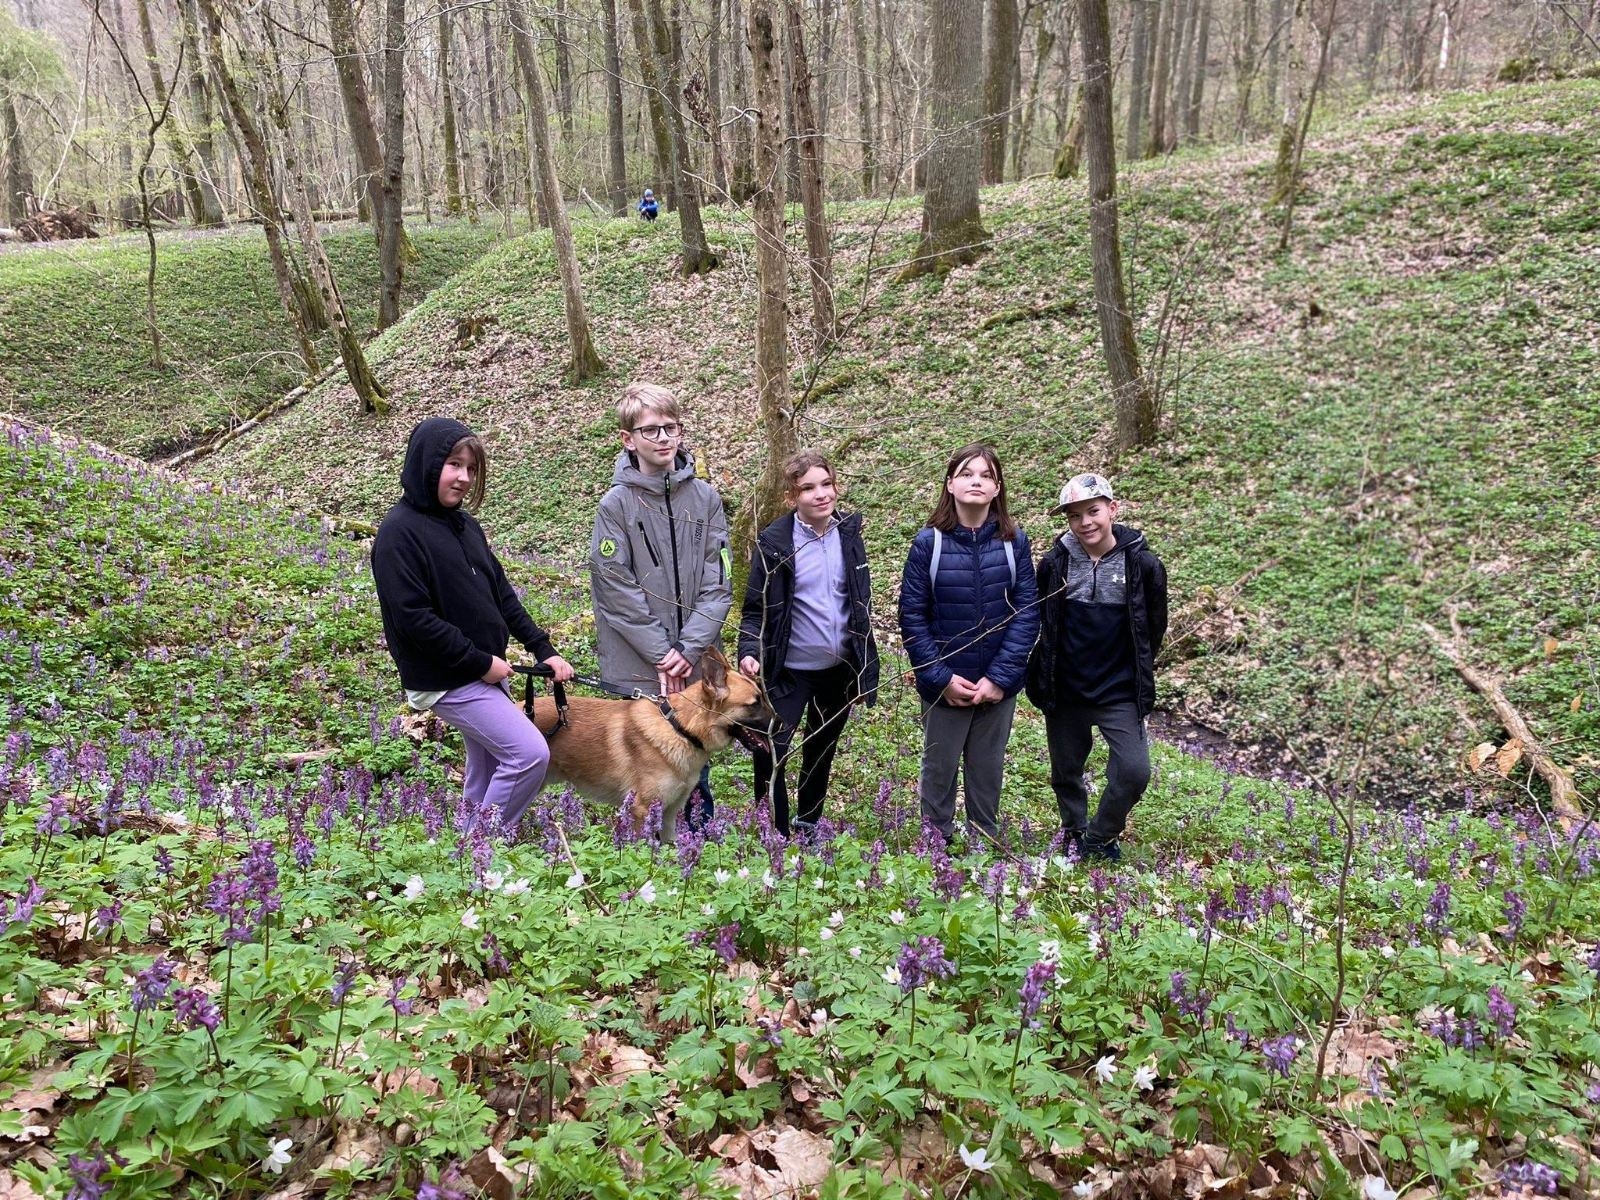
658, 433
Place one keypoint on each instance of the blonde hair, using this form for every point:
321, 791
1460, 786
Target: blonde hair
798, 465
639, 398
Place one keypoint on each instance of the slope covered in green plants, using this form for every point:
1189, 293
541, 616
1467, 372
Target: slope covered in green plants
75, 352
1389, 427
251, 942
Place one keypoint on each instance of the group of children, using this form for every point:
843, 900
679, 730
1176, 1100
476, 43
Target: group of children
980, 622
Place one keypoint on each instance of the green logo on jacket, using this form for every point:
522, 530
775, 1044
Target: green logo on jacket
608, 548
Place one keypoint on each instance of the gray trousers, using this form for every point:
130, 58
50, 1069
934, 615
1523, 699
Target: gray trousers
1070, 731
971, 741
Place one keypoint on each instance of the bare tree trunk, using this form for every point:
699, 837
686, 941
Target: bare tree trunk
1139, 86
1289, 130
1069, 155
697, 256
741, 166
158, 88
18, 182
1305, 124
210, 213
1000, 56
1043, 43
952, 225
585, 361
372, 394
1245, 64
1275, 52
772, 268
616, 153
258, 180
1196, 97
1131, 395
447, 117
819, 255
562, 29
653, 72
1161, 81
1184, 52
395, 39
865, 130
713, 104
357, 107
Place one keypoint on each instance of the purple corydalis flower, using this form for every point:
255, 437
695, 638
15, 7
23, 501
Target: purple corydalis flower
87, 1173
18, 909
344, 977
449, 1187
1034, 990
1592, 962
1536, 1177
1502, 1013
771, 1030
1279, 1053
107, 918
726, 943
196, 1009
402, 1007
53, 819
1437, 920
1516, 913
994, 883
921, 961
1189, 1004
150, 985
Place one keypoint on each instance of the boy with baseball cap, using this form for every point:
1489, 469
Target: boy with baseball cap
1104, 598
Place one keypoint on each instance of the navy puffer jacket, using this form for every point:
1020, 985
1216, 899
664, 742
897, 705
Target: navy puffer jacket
972, 621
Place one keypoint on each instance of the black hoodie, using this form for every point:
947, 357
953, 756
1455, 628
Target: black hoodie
448, 609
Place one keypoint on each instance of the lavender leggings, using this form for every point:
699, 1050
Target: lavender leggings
506, 756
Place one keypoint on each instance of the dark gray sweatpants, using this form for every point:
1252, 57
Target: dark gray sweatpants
1070, 731
971, 742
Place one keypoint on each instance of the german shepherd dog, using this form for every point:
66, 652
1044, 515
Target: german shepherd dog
629, 750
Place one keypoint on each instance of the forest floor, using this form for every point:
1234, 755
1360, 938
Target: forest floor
1393, 423
75, 352
253, 941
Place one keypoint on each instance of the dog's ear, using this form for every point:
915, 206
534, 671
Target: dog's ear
714, 673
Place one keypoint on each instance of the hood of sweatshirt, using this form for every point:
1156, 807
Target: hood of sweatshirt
1128, 541
627, 472
427, 448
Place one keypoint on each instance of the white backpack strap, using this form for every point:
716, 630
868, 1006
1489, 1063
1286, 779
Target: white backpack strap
933, 563
1011, 561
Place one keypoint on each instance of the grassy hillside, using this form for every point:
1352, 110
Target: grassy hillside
252, 943
1393, 422
74, 351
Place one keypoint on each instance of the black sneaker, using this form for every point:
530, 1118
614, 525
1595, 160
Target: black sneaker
1110, 852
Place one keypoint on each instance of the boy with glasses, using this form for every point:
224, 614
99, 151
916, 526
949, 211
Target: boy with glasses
659, 572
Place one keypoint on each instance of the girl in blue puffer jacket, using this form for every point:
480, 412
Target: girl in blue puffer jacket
968, 616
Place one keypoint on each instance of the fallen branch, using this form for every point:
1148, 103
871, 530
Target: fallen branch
1059, 308
288, 400
1563, 792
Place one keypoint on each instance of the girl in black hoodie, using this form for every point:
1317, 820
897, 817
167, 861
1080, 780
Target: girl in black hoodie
449, 613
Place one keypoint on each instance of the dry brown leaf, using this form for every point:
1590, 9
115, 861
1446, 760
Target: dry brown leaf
628, 1060
1550, 647
354, 1147
294, 1191
803, 1158
1577, 703
14, 1187
752, 1182
1508, 756
1480, 754
764, 1070
735, 1147
489, 1169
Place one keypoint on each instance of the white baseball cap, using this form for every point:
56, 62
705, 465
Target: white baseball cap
1083, 487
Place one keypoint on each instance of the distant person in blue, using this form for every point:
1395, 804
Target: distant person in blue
647, 206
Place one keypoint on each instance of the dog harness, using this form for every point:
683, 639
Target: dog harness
559, 691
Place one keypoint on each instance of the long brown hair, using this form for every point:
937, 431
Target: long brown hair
944, 516
480, 473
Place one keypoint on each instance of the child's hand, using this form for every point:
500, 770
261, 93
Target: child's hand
985, 691
959, 692
750, 666
499, 671
560, 669
672, 672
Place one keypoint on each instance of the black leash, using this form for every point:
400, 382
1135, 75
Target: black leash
559, 690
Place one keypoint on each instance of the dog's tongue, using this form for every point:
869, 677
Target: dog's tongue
750, 739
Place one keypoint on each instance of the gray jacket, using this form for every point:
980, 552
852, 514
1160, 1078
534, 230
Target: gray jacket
659, 571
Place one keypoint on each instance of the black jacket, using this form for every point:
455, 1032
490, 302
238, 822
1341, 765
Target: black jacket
1147, 617
448, 609
768, 614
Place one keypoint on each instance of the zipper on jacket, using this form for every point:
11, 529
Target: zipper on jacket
672, 537
645, 538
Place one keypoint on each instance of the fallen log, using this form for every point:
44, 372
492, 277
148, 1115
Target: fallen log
1563, 792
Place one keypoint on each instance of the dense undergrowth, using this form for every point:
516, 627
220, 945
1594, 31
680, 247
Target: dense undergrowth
75, 351
251, 942
1391, 424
